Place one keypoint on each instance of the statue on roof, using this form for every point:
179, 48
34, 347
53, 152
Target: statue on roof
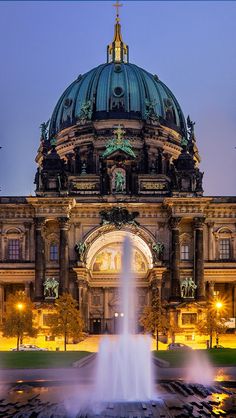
86, 110
150, 111
44, 130
190, 125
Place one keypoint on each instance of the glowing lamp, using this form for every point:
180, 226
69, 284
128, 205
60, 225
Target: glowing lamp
219, 305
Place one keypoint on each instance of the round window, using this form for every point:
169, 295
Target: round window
118, 91
118, 68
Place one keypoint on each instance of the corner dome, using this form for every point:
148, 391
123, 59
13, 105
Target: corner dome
117, 91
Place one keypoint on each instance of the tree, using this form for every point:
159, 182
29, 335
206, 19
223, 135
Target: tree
212, 323
66, 320
18, 318
154, 318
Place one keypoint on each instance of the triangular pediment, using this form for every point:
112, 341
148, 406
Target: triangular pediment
118, 153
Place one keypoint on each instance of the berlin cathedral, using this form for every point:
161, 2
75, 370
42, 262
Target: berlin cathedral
117, 158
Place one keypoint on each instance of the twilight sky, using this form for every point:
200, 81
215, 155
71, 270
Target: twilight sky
190, 45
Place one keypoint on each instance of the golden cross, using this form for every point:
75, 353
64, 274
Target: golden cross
119, 132
117, 5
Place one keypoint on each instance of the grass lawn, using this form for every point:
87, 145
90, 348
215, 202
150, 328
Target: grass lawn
39, 359
217, 357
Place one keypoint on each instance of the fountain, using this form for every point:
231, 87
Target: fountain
124, 371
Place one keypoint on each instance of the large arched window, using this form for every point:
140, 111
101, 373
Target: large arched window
13, 244
224, 237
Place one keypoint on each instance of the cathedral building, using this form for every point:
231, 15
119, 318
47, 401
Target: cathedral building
118, 158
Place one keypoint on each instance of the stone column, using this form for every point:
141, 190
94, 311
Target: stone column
175, 259
1, 301
83, 300
234, 300
105, 303
64, 255
27, 289
199, 258
27, 226
210, 240
39, 258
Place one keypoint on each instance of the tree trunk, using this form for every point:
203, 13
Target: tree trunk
65, 338
18, 343
157, 340
210, 342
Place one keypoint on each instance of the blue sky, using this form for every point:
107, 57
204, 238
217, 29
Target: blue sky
190, 45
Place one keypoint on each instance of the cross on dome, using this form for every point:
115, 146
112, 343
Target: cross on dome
117, 5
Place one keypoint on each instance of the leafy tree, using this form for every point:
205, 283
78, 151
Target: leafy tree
18, 318
212, 323
154, 318
66, 320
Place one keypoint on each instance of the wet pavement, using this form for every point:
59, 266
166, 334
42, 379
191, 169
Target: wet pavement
175, 399
67, 393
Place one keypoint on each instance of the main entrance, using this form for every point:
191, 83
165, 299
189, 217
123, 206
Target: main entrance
103, 266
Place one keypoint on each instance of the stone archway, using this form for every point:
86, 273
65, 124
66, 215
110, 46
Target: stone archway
102, 262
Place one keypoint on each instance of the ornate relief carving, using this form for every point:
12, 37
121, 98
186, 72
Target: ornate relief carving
118, 216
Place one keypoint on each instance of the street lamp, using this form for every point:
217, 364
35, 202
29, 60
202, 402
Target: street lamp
20, 306
218, 306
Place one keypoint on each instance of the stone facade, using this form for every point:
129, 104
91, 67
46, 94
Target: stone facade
191, 229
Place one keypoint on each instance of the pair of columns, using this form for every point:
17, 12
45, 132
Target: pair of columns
198, 258
40, 262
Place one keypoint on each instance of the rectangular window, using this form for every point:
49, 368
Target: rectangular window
13, 249
189, 318
224, 249
53, 252
184, 254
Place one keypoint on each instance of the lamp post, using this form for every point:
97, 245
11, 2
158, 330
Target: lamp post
218, 306
19, 307
117, 323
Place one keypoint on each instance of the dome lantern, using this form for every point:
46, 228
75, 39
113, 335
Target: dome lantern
117, 51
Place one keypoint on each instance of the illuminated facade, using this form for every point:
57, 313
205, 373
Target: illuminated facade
118, 158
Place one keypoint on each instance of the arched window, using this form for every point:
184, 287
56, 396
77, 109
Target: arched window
224, 248
53, 252
224, 236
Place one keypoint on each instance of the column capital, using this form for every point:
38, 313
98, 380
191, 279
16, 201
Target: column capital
82, 282
39, 222
174, 222
64, 222
198, 222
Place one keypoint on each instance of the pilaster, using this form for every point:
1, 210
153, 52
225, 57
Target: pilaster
39, 257
175, 258
199, 257
64, 254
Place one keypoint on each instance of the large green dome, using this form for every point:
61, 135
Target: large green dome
117, 91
